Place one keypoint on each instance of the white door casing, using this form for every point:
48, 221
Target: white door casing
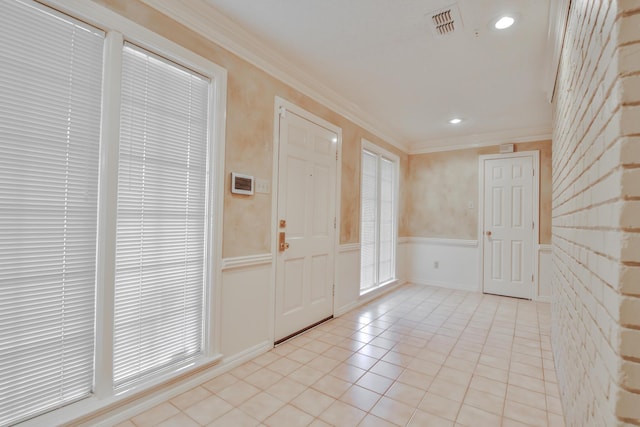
508, 223
306, 200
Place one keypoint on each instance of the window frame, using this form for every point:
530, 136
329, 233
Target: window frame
380, 152
118, 29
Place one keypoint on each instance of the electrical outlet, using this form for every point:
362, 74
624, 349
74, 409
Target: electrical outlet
436, 264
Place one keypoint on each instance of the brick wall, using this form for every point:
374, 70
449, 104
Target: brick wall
596, 215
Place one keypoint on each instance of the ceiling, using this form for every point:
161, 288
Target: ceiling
384, 60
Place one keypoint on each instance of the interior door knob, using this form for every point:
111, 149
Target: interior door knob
488, 233
283, 245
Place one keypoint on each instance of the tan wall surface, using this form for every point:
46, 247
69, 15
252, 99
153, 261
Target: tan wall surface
442, 184
249, 146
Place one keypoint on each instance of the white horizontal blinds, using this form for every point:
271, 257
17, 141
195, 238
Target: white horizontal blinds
368, 221
387, 221
50, 89
378, 220
160, 239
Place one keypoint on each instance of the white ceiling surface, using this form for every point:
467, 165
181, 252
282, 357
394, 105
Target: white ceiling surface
382, 57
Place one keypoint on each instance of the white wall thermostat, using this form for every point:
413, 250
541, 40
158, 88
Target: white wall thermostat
241, 184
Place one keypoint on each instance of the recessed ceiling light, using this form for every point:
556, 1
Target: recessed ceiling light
504, 22
455, 121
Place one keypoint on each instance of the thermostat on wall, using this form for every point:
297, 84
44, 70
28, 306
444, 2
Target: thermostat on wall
241, 184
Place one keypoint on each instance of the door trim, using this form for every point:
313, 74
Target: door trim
535, 157
281, 103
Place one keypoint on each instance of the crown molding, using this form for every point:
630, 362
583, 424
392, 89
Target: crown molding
480, 140
207, 21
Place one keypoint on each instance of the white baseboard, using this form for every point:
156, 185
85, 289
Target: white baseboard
344, 309
245, 356
445, 285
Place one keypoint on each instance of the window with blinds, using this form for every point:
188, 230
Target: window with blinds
50, 108
161, 225
368, 221
378, 230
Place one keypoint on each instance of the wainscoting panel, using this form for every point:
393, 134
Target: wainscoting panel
402, 255
544, 273
246, 310
448, 263
347, 288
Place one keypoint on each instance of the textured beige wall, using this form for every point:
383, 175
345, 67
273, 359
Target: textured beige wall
442, 184
249, 145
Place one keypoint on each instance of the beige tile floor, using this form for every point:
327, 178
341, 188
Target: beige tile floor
419, 356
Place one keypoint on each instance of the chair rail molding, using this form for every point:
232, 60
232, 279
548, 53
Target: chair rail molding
443, 241
349, 247
246, 261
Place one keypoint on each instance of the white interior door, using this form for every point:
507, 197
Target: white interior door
509, 228
306, 216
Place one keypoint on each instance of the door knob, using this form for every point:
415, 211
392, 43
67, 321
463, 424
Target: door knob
488, 233
282, 244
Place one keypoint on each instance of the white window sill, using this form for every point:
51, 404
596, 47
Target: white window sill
380, 289
147, 393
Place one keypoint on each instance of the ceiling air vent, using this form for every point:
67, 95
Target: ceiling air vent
445, 21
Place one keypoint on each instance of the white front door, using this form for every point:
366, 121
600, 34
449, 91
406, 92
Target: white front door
509, 227
306, 224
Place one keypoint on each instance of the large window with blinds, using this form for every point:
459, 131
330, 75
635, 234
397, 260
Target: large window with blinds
160, 242
110, 178
378, 217
50, 96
